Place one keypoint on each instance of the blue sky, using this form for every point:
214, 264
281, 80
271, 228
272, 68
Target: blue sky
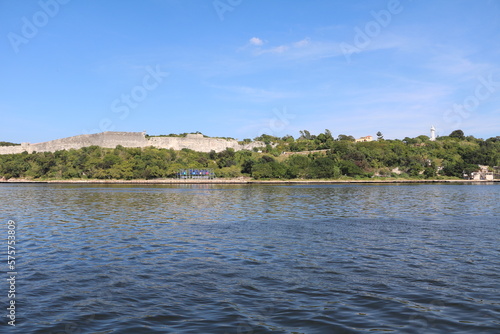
239, 68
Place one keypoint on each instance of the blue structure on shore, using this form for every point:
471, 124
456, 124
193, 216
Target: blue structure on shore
207, 173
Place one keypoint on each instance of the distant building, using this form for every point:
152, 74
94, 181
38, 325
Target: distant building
364, 139
433, 133
482, 175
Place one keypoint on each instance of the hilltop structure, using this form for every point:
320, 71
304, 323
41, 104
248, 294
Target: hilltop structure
364, 139
433, 133
482, 174
111, 139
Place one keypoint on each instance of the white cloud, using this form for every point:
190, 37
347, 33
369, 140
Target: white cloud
303, 49
453, 63
278, 49
284, 48
302, 43
256, 41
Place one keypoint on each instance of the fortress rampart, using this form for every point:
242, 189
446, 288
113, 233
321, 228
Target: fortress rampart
111, 139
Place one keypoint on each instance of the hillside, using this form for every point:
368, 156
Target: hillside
334, 158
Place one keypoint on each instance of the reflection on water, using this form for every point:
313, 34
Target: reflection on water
256, 259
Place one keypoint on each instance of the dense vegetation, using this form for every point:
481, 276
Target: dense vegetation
197, 132
6, 143
176, 135
339, 157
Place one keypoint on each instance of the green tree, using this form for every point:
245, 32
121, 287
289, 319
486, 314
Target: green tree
325, 167
459, 134
298, 166
304, 134
349, 168
346, 138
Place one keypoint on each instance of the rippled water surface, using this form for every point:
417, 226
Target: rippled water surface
254, 259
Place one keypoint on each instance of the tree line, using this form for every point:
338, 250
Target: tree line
341, 157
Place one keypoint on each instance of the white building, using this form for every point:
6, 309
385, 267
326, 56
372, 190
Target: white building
433, 133
364, 139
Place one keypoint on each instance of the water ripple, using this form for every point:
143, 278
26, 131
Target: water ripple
256, 259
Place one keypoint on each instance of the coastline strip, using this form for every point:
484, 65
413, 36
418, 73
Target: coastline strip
242, 181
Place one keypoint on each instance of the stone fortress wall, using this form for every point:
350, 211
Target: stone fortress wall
111, 139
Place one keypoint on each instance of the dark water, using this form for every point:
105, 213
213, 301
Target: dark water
254, 259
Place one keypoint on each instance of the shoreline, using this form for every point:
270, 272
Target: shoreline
242, 181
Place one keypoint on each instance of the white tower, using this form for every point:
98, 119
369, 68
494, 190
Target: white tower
433, 133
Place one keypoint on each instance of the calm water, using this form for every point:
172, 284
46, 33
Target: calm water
254, 259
